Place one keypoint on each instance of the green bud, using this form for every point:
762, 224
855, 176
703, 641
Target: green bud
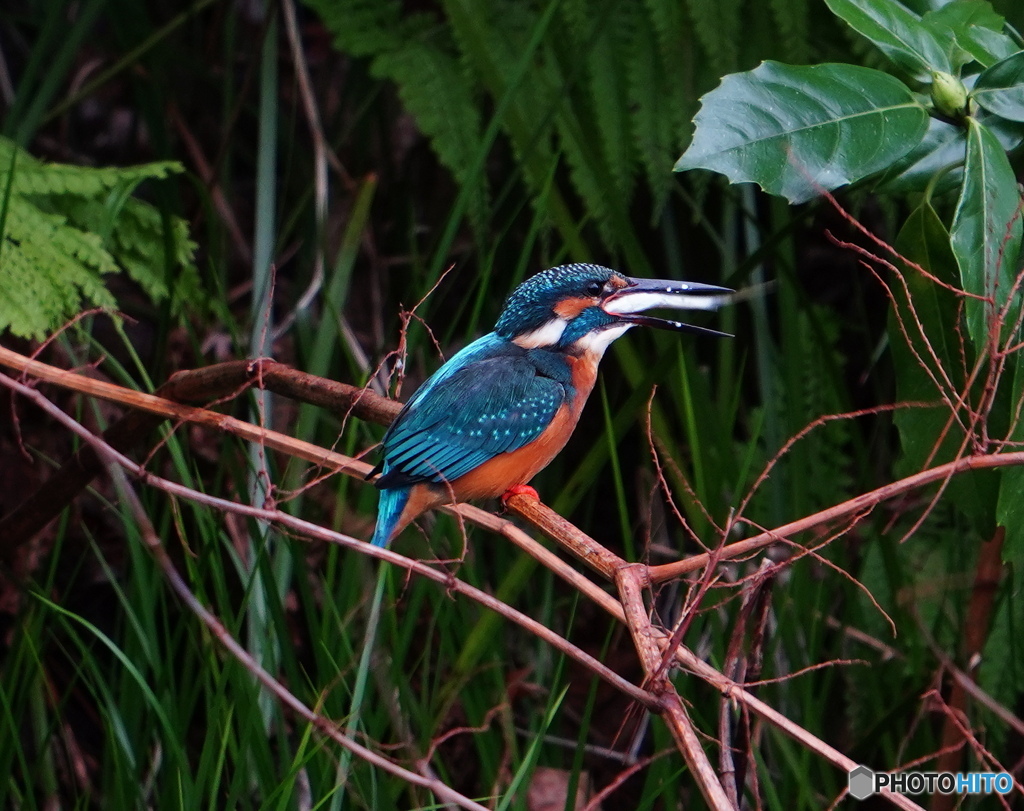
948, 94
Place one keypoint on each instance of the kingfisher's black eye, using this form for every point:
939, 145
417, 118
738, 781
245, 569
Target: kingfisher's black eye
594, 289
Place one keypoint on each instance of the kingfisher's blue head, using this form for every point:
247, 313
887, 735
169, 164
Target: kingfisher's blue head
583, 308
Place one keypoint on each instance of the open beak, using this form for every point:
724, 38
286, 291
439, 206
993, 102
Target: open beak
645, 294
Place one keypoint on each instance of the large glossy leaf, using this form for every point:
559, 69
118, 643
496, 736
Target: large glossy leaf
928, 365
976, 28
797, 130
1000, 89
986, 232
900, 34
985, 45
943, 149
924, 241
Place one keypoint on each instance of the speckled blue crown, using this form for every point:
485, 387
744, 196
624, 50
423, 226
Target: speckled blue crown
530, 305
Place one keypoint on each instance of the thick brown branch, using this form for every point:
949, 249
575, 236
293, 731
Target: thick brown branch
206, 385
631, 581
861, 504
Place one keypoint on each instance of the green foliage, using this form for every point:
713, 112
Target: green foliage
66, 227
955, 326
605, 89
795, 130
792, 19
937, 161
1002, 663
1000, 88
986, 236
717, 25
420, 57
788, 129
557, 123
917, 44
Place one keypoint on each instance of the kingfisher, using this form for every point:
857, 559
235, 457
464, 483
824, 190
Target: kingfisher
498, 411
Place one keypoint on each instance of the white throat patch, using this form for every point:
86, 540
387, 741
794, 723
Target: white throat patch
597, 342
545, 335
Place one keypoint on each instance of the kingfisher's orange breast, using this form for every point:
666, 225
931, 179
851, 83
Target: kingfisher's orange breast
497, 475
506, 470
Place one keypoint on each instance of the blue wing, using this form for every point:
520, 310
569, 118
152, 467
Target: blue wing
491, 398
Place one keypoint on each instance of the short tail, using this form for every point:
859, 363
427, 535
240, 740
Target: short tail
389, 511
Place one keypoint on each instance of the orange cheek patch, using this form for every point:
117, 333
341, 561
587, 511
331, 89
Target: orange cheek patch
571, 307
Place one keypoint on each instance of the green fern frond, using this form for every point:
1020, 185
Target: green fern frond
46, 179
717, 25
660, 103
669, 23
492, 40
48, 270
136, 241
815, 470
578, 16
586, 164
609, 51
600, 32
362, 27
816, 393
791, 17
417, 55
65, 227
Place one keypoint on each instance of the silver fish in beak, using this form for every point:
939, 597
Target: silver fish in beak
640, 295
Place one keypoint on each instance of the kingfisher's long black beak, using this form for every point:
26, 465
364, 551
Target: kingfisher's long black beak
645, 294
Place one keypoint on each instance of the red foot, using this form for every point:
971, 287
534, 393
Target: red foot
518, 490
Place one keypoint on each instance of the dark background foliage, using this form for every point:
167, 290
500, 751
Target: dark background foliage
434, 155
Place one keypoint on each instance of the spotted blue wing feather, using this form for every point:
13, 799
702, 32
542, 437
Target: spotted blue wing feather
493, 397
